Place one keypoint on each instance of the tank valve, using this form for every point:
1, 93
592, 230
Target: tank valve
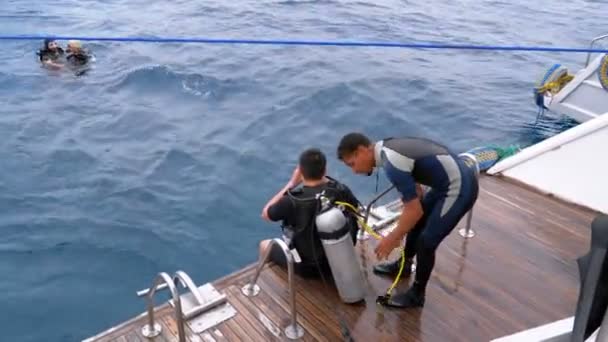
383, 300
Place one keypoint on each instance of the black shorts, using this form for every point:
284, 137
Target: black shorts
305, 270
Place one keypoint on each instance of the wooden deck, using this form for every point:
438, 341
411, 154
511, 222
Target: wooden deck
518, 272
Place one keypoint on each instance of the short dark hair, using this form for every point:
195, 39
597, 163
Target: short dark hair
312, 164
350, 142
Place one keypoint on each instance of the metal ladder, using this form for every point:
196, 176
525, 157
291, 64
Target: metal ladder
293, 330
164, 281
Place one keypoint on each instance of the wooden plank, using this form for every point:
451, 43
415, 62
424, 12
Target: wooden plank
268, 330
266, 312
319, 300
208, 337
528, 194
114, 333
236, 277
315, 320
170, 323
491, 280
226, 331
542, 210
133, 337
241, 330
244, 325
395, 323
218, 335
125, 327
471, 302
279, 311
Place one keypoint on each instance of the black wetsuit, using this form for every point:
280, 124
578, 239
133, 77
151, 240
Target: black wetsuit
47, 55
78, 58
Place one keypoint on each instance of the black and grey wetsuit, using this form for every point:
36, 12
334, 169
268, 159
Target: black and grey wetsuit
454, 190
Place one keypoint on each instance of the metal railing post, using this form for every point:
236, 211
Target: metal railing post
591, 46
467, 232
361, 235
374, 200
293, 330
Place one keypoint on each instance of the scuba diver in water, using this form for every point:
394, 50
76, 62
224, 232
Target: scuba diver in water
297, 209
50, 54
76, 55
78, 58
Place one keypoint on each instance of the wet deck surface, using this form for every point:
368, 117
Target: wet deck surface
518, 272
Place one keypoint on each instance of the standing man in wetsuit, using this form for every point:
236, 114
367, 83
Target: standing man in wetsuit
297, 209
407, 163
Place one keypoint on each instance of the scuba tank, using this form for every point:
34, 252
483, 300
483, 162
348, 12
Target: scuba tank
334, 231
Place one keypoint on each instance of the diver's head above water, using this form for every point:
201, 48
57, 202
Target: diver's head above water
357, 152
50, 45
74, 46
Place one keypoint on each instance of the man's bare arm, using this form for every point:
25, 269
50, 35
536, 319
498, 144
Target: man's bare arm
296, 178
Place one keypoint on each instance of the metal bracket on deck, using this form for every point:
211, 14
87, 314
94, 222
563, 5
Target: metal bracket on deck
200, 299
203, 307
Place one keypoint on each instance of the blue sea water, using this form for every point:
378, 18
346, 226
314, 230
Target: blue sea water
162, 156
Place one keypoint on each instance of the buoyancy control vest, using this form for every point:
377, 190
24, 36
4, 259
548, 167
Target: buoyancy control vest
323, 232
301, 229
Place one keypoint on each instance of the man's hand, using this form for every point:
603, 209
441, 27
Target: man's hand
52, 65
296, 178
265, 212
412, 212
387, 245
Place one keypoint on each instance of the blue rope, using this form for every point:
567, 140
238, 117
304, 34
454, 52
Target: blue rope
312, 42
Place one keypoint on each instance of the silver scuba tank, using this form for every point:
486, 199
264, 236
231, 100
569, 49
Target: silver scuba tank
337, 242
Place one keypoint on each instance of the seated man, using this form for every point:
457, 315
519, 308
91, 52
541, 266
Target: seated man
297, 210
